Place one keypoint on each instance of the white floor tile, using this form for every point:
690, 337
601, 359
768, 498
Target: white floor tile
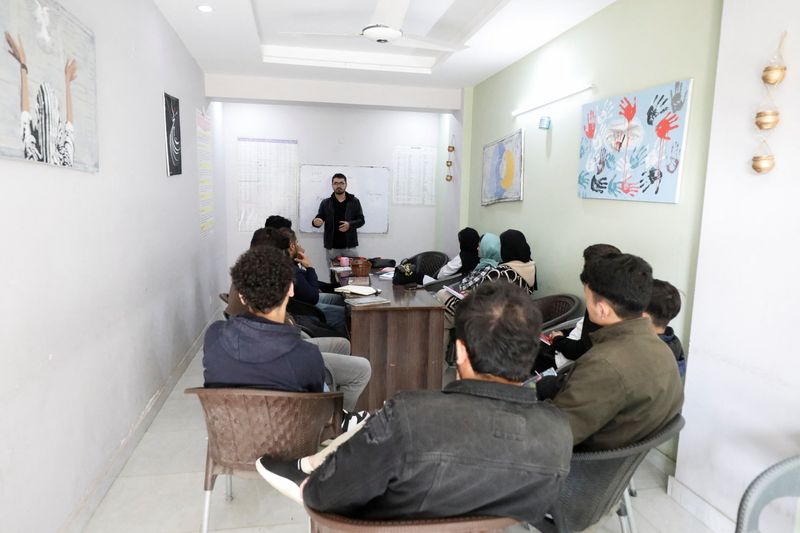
179, 414
168, 452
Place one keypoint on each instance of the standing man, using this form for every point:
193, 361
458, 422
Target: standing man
342, 215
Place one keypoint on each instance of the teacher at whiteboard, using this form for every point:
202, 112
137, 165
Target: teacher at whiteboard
342, 215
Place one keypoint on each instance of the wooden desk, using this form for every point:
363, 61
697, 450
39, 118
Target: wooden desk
403, 340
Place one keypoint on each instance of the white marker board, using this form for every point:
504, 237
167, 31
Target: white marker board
369, 184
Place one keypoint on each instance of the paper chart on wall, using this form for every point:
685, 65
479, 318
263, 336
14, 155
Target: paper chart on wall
205, 173
413, 180
268, 175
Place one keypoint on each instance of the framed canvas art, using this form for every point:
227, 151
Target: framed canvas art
502, 170
172, 122
48, 96
632, 145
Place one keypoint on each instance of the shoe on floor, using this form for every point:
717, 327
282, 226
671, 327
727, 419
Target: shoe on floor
284, 476
352, 418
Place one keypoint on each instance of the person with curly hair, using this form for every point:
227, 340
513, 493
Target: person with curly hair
259, 349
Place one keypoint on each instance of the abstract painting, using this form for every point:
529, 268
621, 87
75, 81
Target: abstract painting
48, 96
172, 121
502, 170
632, 145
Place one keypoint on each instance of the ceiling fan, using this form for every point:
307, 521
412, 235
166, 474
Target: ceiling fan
385, 28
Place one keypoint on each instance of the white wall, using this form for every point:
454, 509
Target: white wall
743, 386
331, 135
106, 281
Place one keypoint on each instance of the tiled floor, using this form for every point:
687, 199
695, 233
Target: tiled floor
161, 487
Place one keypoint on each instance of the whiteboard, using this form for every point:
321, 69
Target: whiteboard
369, 184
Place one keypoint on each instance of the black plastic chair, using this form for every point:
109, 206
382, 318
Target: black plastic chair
597, 483
428, 263
434, 286
558, 308
778, 481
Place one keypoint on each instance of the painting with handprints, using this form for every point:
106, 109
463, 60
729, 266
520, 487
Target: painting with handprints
632, 145
48, 97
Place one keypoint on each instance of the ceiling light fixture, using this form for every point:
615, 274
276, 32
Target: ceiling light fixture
205, 9
381, 33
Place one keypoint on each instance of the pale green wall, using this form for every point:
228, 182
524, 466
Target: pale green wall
631, 45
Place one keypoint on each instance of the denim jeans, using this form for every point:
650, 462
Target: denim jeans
350, 373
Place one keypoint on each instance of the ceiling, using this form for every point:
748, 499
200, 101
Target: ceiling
485, 36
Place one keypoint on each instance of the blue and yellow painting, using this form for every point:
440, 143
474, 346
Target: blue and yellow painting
502, 170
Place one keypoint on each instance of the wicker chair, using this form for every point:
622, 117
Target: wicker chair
558, 308
244, 424
331, 523
778, 481
428, 263
597, 483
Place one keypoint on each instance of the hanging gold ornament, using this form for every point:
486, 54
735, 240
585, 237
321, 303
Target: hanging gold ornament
766, 120
775, 70
763, 161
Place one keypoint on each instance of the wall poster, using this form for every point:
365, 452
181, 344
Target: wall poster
502, 170
48, 97
632, 145
172, 116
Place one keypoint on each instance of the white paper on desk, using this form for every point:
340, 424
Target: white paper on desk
427, 279
340, 269
387, 276
362, 290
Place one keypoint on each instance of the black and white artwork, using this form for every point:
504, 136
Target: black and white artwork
48, 97
172, 116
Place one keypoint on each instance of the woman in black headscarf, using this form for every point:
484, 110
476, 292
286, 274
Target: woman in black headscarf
467, 259
515, 253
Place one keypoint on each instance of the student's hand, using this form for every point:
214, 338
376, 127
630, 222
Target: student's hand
555, 334
344, 226
301, 259
317, 222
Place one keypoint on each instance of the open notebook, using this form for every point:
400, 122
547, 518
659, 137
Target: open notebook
356, 289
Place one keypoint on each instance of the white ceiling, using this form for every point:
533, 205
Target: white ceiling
495, 33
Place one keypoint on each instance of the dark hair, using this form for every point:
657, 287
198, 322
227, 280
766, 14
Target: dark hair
262, 275
499, 325
599, 250
277, 221
625, 281
514, 246
340, 176
275, 237
665, 303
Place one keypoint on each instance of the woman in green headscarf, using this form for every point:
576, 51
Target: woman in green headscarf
489, 252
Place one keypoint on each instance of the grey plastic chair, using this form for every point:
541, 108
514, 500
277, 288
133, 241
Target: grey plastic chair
778, 481
597, 483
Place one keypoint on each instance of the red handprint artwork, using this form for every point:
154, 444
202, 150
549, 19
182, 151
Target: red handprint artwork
629, 188
628, 109
591, 125
667, 124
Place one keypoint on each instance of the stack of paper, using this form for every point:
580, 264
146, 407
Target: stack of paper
356, 289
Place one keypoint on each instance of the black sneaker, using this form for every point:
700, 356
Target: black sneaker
351, 419
284, 476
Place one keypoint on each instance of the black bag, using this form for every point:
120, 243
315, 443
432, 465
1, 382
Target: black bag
379, 262
405, 274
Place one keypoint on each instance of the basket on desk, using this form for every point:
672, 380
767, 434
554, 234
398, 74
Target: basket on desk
360, 267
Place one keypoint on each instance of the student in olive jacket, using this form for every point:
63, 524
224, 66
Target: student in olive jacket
627, 385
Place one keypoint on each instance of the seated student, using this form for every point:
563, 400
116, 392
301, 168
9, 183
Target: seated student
578, 342
665, 304
261, 237
467, 259
517, 267
258, 349
626, 386
350, 374
277, 222
483, 445
306, 284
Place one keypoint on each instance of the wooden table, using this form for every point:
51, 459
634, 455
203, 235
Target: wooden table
403, 340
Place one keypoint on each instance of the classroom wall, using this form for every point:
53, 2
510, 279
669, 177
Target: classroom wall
106, 280
330, 135
630, 45
742, 399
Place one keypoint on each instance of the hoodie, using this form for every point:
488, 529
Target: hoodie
249, 351
526, 271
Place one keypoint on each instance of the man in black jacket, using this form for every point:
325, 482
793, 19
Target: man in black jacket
482, 446
342, 215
